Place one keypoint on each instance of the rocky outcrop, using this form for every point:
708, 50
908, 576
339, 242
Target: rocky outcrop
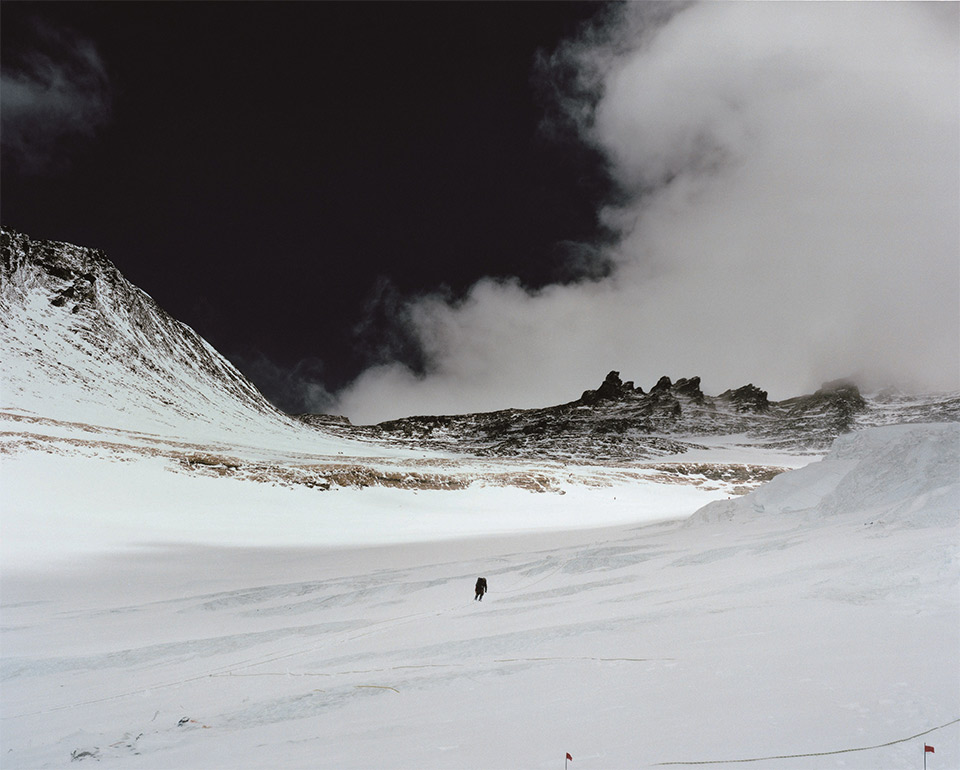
689, 388
835, 406
611, 389
664, 384
748, 398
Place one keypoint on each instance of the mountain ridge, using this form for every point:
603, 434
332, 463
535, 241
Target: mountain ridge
82, 344
620, 422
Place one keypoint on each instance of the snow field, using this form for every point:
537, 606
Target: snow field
632, 647
61, 505
816, 616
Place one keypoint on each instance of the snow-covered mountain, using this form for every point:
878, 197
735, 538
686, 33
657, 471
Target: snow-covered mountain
82, 344
92, 365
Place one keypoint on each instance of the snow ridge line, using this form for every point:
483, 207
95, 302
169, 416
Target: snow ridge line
812, 754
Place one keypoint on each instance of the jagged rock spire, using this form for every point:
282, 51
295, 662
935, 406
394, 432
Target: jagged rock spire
748, 398
611, 389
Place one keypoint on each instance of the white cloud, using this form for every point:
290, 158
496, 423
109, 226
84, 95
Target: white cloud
792, 217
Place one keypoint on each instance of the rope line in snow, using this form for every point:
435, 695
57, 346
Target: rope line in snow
812, 754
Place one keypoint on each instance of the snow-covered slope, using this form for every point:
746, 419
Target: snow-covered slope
81, 344
823, 637
899, 475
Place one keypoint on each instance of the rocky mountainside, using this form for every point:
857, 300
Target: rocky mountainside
80, 343
621, 422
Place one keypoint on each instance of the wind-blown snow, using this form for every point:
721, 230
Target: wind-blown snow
825, 622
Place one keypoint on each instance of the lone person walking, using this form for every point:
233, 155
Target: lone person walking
481, 589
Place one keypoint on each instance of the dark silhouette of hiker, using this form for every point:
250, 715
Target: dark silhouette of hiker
481, 589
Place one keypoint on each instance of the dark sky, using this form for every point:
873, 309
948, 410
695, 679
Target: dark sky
280, 175
386, 209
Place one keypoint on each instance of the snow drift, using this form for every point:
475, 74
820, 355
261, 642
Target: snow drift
905, 475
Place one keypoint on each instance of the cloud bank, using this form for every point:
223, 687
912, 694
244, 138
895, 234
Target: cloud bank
55, 92
787, 213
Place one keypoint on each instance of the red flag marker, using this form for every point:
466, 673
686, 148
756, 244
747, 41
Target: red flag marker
927, 748
570, 759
